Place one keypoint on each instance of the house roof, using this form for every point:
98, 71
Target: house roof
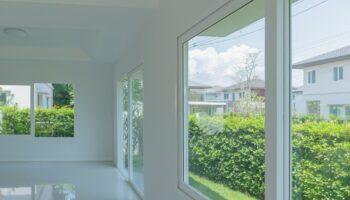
331, 56
255, 84
197, 85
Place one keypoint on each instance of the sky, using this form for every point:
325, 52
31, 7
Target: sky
21, 94
318, 26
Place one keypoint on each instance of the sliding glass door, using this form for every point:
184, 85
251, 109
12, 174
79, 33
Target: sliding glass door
136, 112
130, 128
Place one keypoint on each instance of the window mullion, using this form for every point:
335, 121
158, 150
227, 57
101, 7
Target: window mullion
32, 110
277, 160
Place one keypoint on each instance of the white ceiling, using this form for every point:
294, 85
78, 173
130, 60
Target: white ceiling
71, 30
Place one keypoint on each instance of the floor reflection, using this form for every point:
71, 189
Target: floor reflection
17, 193
39, 192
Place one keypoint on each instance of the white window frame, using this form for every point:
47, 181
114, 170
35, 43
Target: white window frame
120, 160
278, 97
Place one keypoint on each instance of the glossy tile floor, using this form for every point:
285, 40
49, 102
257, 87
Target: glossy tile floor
63, 181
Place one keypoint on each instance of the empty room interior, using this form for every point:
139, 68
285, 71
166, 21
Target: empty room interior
174, 100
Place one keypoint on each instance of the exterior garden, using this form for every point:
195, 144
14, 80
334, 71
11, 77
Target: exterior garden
228, 151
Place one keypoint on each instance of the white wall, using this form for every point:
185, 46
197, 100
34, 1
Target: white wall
157, 50
325, 90
324, 79
93, 113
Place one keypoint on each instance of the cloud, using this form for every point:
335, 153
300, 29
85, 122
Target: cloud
211, 67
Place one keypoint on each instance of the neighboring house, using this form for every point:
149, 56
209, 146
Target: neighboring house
237, 91
204, 99
19, 96
43, 95
326, 88
215, 100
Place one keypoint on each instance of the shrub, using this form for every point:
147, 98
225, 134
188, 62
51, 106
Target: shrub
53, 122
14, 121
230, 150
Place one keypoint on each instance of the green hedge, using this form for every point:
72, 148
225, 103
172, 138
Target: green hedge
53, 122
14, 121
231, 151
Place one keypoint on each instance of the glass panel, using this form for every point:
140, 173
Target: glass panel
124, 97
54, 110
14, 110
340, 73
225, 136
320, 143
314, 76
335, 73
137, 129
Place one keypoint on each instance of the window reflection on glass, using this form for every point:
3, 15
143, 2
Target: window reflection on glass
125, 120
14, 110
226, 107
55, 192
136, 84
320, 116
54, 110
39, 192
20, 193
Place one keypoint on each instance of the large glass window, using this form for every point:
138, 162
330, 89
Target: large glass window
224, 138
15, 109
54, 110
130, 128
320, 39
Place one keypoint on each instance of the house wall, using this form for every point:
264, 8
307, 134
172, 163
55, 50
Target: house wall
93, 113
325, 90
156, 49
46, 89
324, 79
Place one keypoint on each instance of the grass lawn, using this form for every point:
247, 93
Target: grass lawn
216, 191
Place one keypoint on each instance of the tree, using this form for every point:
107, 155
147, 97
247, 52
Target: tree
63, 95
247, 72
249, 102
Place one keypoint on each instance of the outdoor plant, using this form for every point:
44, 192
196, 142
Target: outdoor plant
53, 122
231, 152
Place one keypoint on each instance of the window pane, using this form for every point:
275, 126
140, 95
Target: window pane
54, 110
335, 73
320, 143
225, 136
137, 129
124, 89
14, 110
314, 76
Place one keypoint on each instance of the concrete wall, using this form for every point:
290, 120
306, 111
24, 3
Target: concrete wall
156, 49
93, 113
